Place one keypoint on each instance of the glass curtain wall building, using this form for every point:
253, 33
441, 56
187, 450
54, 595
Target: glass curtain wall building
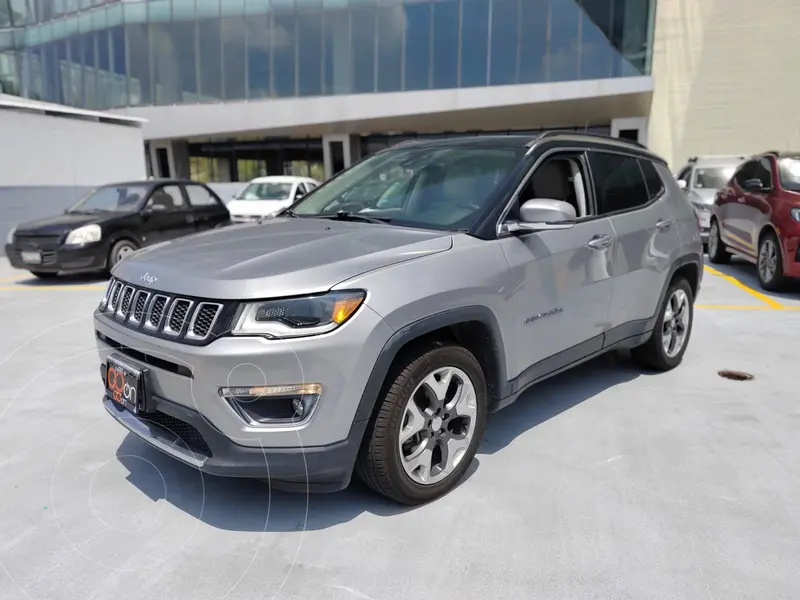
165, 60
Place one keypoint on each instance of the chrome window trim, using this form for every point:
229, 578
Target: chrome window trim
148, 322
189, 330
167, 329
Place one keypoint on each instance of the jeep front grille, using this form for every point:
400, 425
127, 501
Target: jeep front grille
178, 318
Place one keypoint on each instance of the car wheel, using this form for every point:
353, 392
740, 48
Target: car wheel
717, 253
666, 347
770, 263
44, 274
426, 430
120, 250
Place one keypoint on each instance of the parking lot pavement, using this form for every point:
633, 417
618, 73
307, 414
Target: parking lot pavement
607, 482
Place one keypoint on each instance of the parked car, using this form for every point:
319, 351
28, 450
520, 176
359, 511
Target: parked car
264, 197
331, 340
757, 217
701, 178
111, 222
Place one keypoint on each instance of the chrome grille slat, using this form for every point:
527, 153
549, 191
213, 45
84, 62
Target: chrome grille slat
177, 316
139, 303
156, 312
125, 302
112, 301
203, 320
107, 294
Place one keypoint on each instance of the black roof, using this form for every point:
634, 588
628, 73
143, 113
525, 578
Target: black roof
150, 182
511, 140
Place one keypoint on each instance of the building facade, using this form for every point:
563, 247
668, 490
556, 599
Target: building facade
231, 89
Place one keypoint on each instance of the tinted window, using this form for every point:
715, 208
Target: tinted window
112, 198
789, 171
655, 185
167, 198
618, 182
200, 196
745, 172
712, 178
762, 170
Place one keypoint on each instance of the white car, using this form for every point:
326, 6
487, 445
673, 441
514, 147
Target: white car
265, 196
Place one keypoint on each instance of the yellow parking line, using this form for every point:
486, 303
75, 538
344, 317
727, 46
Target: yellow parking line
733, 307
765, 299
15, 278
50, 287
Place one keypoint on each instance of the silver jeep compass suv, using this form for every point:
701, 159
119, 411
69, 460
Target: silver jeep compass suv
373, 325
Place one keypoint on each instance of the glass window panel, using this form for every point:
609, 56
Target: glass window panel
134, 12
89, 71
234, 58
5, 14
505, 24
174, 66
139, 47
630, 36
19, 11
98, 20
119, 89
114, 15
184, 10
474, 42
210, 43
33, 68
597, 53
363, 40
50, 83
9, 74
282, 4
564, 23
258, 63
390, 48
256, 7
309, 53
104, 77
533, 41
338, 73
283, 52
232, 8
76, 72
159, 10
207, 9
445, 44
417, 45
6, 39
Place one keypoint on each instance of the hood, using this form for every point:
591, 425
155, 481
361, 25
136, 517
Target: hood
256, 208
282, 257
703, 196
57, 225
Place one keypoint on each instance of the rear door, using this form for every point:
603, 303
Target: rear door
631, 193
733, 212
166, 215
207, 208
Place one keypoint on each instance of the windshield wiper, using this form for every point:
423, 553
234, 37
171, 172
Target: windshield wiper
346, 215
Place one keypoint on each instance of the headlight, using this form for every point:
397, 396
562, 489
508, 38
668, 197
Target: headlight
702, 207
84, 235
298, 317
10, 237
795, 212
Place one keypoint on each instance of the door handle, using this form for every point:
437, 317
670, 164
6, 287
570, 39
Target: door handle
665, 223
600, 242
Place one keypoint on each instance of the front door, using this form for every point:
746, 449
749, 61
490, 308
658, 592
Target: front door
736, 230
166, 215
561, 279
207, 208
630, 192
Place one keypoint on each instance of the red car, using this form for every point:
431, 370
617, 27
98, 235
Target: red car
757, 216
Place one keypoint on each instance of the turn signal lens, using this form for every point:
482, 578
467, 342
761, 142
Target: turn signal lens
342, 309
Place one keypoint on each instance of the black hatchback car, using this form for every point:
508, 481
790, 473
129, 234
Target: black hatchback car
112, 221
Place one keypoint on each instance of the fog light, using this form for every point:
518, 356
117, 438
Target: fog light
299, 409
273, 404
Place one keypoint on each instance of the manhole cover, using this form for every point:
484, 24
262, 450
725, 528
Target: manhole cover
735, 375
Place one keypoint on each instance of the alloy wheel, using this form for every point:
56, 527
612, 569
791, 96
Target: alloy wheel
675, 325
123, 251
438, 425
768, 260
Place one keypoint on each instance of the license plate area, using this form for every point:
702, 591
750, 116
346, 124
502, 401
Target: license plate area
126, 384
31, 257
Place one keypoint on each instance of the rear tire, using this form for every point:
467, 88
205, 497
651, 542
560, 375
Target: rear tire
44, 274
717, 253
665, 348
769, 263
427, 426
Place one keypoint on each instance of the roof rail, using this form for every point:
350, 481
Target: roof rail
557, 132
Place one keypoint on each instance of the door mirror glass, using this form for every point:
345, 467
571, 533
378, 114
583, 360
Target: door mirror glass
754, 185
542, 214
682, 184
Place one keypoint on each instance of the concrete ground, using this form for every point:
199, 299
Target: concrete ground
605, 482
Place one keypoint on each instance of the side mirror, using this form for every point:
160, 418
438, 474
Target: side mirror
153, 209
544, 214
682, 184
754, 185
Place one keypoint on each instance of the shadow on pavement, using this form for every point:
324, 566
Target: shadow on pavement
249, 505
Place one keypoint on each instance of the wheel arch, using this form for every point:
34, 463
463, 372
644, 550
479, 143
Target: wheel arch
474, 327
688, 266
765, 229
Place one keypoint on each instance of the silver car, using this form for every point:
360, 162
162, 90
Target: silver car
372, 326
701, 178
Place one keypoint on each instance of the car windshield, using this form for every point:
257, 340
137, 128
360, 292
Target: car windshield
430, 188
789, 169
712, 178
111, 198
271, 190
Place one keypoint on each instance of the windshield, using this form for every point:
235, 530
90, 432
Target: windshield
271, 190
712, 178
789, 169
431, 188
112, 198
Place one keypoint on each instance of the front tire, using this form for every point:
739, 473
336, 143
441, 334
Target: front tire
120, 250
665, 348
717, 253
427, 427
770, 263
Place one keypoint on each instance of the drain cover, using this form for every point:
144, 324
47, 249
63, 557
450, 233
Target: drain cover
735, 375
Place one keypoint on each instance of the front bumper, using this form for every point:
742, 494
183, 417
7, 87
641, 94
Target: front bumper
184, 382
59, 259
